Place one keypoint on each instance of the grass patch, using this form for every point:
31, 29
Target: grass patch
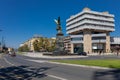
110, 63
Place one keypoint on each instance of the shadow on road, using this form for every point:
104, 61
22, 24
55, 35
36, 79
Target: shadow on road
107, 75
22, 73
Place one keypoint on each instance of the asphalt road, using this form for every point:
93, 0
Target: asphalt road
19, 68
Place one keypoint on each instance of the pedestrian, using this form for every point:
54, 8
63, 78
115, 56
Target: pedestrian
100, 52
117, 52
88, 52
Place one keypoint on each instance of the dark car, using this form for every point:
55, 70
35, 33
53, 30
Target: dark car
82, 53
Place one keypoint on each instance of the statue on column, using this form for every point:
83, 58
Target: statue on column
59, 38
59, 29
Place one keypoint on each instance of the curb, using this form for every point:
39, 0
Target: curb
74, 65
56, 57
84, 66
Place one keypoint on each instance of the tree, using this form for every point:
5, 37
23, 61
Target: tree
52, 44
36, 46
24, 48
44, 44
40, 43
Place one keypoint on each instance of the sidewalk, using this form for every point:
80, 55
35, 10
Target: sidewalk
40, 55
95, 54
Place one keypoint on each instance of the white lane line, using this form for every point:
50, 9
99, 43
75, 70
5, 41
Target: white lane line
53, 76
8, 61
39, 61
75, 65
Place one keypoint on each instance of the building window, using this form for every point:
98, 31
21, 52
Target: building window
76, 39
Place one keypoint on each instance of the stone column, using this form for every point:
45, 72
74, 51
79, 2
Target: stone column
107, 42
87, 42
72, 48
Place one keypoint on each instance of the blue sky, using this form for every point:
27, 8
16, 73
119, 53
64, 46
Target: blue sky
21, 19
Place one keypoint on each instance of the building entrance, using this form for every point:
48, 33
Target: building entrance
98, 47
78, 48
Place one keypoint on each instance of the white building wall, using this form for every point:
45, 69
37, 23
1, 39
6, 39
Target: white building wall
115, 40
90, 20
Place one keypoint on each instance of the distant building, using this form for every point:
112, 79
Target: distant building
115, 40
30, 42
10, 49
89, 30
115, 43
67, 43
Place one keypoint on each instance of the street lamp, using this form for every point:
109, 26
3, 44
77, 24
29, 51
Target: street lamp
0, 43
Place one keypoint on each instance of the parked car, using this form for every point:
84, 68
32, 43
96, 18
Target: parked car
13, 54
82, 53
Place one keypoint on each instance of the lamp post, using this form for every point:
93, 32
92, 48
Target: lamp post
0, 43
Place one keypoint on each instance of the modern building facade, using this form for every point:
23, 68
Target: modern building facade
90, 31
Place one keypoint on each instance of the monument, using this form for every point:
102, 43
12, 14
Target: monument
59, 38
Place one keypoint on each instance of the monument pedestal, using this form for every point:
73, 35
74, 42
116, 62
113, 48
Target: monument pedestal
59, 50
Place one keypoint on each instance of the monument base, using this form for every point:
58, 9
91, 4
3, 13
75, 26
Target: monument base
60, 52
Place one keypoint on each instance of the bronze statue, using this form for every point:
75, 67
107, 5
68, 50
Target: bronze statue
58, 24
59, 38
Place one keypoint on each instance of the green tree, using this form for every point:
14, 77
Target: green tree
51, 44
20, 49
40, 43
36, 46
24, 48
44, 44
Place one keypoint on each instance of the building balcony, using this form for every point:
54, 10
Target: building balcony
74, 16
99, 13
90, 22
80, 41
99, 35
99, 41
93, 35
90, 27
76, 36
90, 17
93, 41
90, 12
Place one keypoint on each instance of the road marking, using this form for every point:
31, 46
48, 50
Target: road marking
84, 66
39, 61
53, 76
8, 61
75, 65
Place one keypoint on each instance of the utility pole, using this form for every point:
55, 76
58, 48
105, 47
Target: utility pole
3, 42
0, 43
